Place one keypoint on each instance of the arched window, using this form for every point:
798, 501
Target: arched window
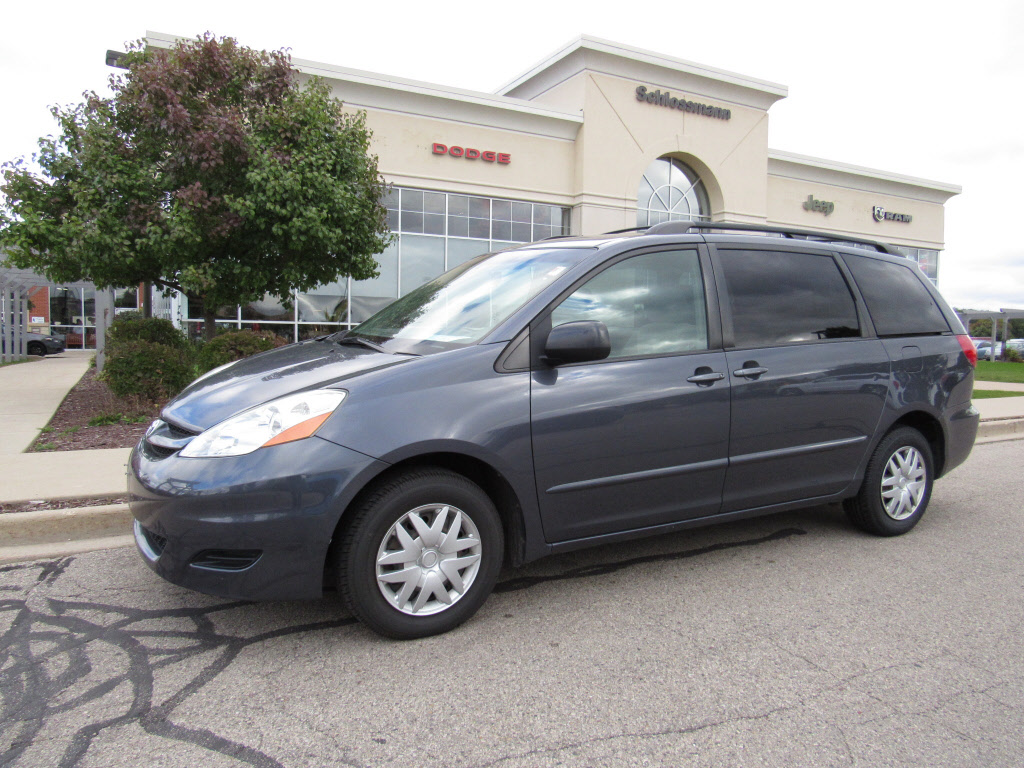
669, 191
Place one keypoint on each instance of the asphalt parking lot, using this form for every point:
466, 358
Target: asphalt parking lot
785, 641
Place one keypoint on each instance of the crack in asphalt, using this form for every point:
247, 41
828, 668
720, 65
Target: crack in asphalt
29, 694
838, 684
66, 635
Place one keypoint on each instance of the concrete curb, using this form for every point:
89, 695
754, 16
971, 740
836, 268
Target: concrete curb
27, 552
1000, 429
62, 532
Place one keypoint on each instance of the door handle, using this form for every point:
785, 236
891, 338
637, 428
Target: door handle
705, 377
750, 373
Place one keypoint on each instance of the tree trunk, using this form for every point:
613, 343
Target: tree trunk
147, 299
209, 320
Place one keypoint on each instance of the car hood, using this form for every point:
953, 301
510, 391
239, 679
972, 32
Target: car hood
269, 375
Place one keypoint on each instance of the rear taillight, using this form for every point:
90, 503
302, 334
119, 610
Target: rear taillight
968, 347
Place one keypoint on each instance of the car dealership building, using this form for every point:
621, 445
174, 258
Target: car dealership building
599, 136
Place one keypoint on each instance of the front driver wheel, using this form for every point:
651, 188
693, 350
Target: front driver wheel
421, 555
897, 485
36, 348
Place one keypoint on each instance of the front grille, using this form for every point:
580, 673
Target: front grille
177, 433
226, 559
156, 452
164, 439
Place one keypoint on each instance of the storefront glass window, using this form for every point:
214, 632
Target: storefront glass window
65, 306
463, 250
671, 191
195, 310
435, 231
368, 296
422, 260
268, 308
326, 304
927, 259
126, 299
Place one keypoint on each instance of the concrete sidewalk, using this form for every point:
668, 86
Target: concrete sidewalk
63, 474
30, 393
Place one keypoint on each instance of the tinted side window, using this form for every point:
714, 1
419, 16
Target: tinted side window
897, 301
784, 298
652, 304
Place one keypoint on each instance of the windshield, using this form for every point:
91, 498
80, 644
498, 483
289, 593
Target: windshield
459, 307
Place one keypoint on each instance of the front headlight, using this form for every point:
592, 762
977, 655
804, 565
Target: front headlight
289, 418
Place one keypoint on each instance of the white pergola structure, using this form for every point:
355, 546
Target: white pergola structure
13, 315
1006, 315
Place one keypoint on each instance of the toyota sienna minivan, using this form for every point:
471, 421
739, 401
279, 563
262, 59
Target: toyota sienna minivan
572, 392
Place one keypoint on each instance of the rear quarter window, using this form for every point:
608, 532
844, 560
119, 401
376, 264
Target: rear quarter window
898, 302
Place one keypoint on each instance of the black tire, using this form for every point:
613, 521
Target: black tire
428, 495
911, 454
36, 348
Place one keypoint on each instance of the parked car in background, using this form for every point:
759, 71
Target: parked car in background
985, 349
36, 343
1017, 345
569, 393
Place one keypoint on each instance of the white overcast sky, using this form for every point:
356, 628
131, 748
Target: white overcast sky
928, 89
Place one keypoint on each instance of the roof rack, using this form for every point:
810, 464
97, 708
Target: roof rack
628, 229
683, 227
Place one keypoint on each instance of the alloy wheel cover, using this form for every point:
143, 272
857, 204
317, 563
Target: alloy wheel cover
903, 483
429, 559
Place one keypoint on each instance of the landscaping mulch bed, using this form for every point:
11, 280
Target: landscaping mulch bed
41, 505
92, 401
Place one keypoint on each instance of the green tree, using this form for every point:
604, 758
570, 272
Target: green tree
210, 170
981, 328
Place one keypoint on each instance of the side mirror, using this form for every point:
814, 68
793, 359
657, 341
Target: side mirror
580, 342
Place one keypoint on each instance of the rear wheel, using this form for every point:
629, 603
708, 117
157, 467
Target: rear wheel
897, 485
421, 555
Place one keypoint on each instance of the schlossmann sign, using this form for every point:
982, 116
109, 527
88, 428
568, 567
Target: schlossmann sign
666, 99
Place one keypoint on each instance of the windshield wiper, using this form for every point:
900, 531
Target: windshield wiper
359, 340
365, 342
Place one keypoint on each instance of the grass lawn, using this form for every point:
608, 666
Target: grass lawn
981, 394
990, 371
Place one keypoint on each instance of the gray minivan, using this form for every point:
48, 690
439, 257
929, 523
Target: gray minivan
571, 392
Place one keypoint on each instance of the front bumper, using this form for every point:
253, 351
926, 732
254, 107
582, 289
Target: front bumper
254, 527
53, 347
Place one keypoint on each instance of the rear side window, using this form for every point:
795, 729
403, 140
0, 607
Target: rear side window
899, 303
778, 297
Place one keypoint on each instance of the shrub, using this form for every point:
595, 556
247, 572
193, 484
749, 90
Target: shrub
234, 345
148, 369
131, 326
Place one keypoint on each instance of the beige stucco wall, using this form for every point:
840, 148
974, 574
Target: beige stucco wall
541, 168
597, 171
853, 212
622, 136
